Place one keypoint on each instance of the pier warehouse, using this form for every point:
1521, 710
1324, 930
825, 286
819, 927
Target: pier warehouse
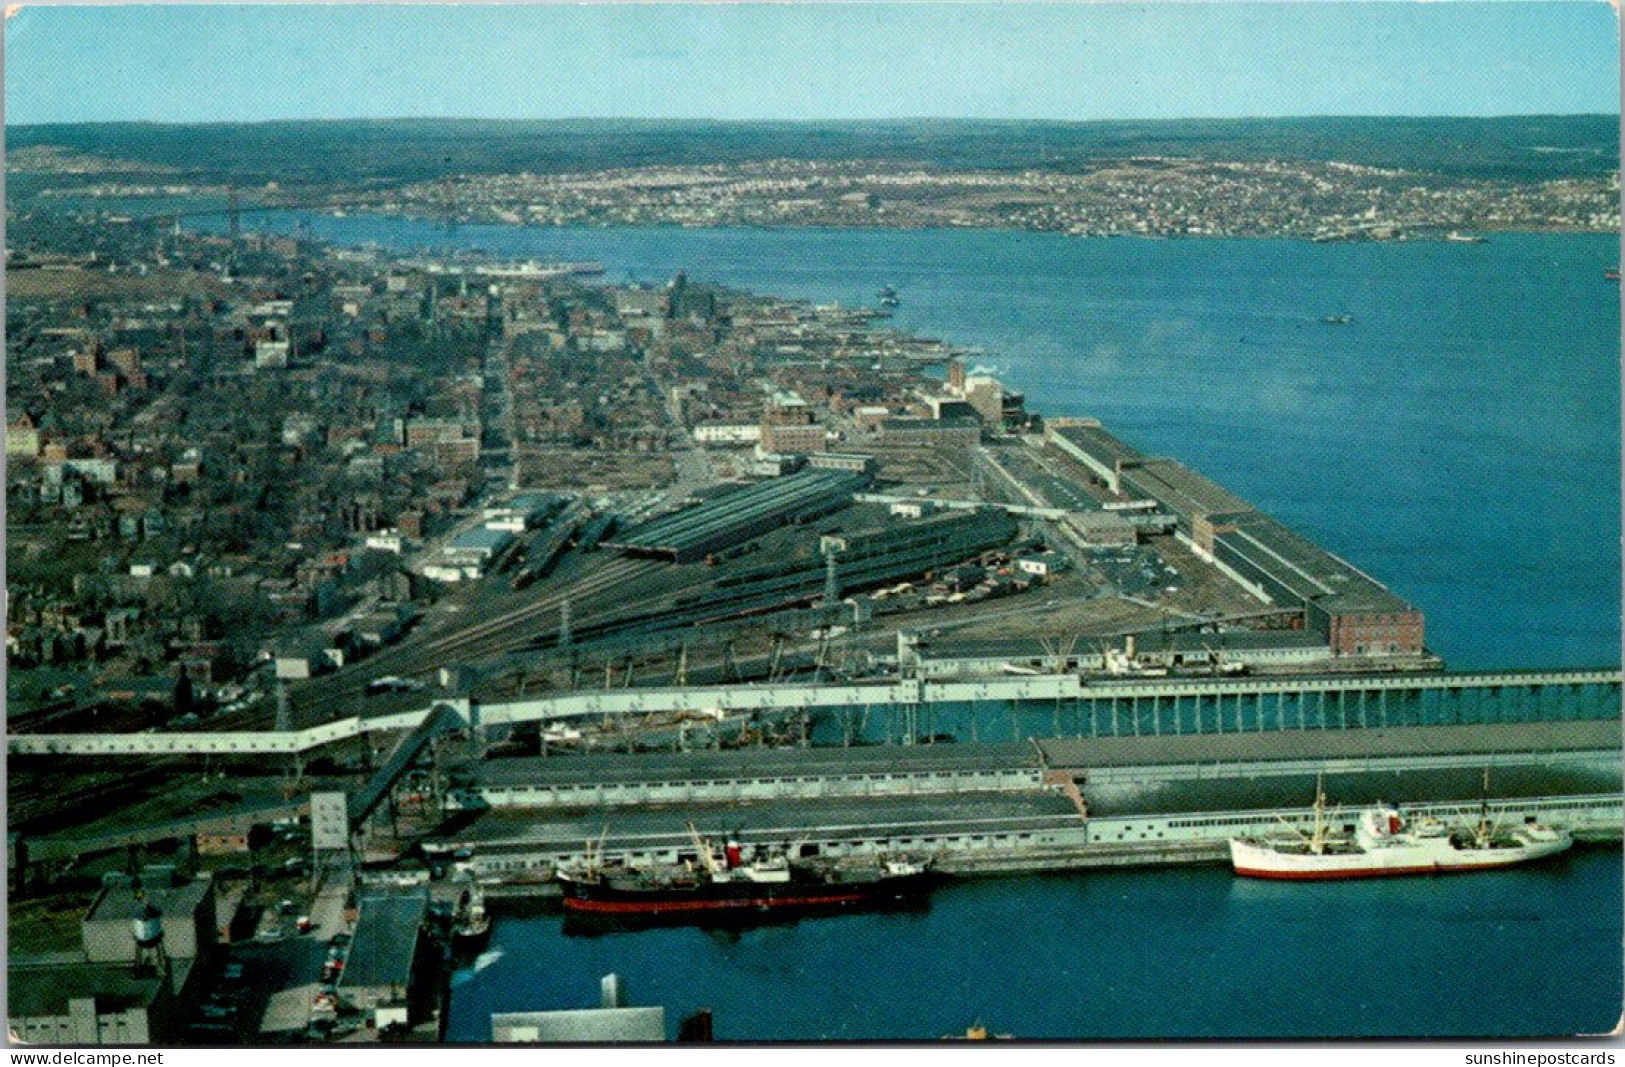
1357, 614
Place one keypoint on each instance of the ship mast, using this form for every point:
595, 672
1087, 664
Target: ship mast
1484, 831
1317, 843
704, 847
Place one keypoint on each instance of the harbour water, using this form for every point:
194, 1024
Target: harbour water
1175, 953
1458, 438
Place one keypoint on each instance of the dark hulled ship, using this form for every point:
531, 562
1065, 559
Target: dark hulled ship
731, 884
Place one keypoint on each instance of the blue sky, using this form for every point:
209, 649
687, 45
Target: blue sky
808, 61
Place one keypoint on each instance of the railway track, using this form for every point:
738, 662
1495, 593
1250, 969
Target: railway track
507, 631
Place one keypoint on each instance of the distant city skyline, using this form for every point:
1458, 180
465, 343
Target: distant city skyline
809, 61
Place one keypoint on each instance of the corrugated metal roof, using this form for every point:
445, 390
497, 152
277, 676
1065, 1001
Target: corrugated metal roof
386, 940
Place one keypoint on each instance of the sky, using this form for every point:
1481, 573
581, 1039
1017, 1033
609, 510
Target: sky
810, 61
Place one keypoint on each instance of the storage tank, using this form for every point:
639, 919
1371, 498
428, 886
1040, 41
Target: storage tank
149, 927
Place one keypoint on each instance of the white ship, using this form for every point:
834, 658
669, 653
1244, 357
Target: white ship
1386, 844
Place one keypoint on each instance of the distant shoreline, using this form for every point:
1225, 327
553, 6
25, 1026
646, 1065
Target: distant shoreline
1419, 237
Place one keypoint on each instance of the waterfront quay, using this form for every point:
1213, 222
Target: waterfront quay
1052, 804
1084, 753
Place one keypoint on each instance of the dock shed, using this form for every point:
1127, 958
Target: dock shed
386, 955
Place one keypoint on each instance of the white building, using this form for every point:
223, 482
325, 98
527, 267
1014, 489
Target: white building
726, 434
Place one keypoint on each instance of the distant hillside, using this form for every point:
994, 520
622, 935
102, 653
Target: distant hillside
1522, 148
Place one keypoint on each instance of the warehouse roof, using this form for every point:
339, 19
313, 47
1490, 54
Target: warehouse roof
45, 989
479, 539
1332, 744
762, 763
1309, 570
1099, 444
583, 1026
1182, 490
778, 496
386, 940
120, 902
1019, 649
882, 816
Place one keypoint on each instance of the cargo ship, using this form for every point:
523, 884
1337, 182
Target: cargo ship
730, 883
1385, 844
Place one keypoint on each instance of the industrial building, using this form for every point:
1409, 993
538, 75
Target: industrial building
1250, 649
468, 554
582, 1026
1358, 615
730, 518
1085, 441
137, 971
92, 1004
187, 911
611, 1022
862, 560
728, 434
955, 433
386, 957
842, 461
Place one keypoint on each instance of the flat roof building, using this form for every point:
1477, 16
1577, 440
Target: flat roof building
386, 951
93, 1004
580, 1026
1085, 441
740, 514
187, 910
1358, 615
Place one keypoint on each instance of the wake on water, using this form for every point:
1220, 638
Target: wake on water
481, 962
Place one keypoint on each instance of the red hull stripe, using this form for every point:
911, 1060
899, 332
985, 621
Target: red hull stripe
623, 906
1369, 872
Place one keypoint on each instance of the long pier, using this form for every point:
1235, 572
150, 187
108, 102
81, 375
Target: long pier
986, 839
903, 710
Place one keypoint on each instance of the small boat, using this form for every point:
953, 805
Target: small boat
1612, 274
1338, 320
1465, 238
888, 297
1386, 844
731, 883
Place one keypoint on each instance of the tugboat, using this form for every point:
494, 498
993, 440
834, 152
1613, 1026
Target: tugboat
888, 298
473, 926
731, 884
1385, 844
